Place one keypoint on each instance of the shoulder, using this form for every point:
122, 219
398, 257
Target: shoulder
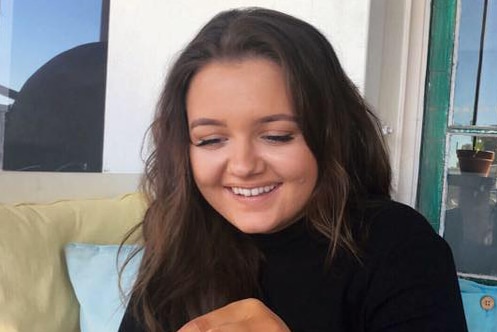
412, 281
394, 233
388, 225
392, 215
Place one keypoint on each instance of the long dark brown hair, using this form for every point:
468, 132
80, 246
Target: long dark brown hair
194, 261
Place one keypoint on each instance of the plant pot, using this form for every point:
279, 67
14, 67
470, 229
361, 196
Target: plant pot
471, 161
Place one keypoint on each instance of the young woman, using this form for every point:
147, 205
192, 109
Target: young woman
269, 197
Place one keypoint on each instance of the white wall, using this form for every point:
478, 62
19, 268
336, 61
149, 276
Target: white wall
145, 35
395, 78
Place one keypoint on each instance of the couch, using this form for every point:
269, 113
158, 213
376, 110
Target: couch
44, 287
36, 293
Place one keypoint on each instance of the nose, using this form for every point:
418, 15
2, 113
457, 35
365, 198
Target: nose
245, 160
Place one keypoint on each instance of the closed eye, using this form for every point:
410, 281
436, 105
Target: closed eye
210, 141
278, 138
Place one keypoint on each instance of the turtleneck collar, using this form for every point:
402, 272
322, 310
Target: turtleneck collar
297, 232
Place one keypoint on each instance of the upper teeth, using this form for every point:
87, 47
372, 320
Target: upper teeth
248, 192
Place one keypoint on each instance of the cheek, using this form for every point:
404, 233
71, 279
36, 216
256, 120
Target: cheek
297, 165
206, 167
306, 174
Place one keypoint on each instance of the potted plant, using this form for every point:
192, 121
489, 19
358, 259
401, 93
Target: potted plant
475, 159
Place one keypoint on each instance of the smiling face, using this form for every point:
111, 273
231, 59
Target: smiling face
248, 156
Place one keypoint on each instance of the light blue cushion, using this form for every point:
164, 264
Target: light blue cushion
93, 270
478, 319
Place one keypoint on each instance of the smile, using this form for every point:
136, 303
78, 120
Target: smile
252, 192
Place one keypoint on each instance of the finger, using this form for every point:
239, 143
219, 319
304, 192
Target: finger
235, 312
250, 325
231, 327
207, 324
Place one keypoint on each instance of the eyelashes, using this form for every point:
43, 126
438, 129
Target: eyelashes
209, 142
279, 138
272, 139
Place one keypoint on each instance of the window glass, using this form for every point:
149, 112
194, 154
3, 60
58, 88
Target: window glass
487, 98
466, 70
52, 84
470, 224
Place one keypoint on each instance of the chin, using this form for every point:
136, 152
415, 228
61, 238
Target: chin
257, 228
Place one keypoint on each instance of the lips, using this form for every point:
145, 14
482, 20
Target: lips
253, 191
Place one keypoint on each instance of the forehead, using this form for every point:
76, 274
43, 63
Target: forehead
255, 85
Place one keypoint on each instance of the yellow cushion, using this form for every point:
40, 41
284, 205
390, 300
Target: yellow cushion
35, 292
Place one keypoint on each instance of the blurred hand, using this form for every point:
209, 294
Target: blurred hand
249, 315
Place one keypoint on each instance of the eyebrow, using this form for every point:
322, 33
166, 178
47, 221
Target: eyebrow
277, 117
266, 119
206, 122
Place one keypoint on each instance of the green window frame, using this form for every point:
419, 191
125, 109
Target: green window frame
437, 179
437, 107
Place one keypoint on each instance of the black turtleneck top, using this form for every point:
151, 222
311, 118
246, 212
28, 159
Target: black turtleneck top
404, 281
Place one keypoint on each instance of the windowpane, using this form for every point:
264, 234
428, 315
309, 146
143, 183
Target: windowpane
53, 84
487, 99
468, 47
470, 225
